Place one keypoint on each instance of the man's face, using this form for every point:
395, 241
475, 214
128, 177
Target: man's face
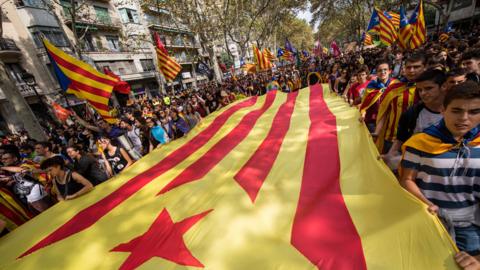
413, 70
430, 92
9, 159
472, 65
454, 80
383, 72
40, 150
461, 115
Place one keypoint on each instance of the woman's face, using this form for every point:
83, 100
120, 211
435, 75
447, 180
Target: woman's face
104, 142
54, 171
72, 153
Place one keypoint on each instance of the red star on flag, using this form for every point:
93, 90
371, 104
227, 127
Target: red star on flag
163, 239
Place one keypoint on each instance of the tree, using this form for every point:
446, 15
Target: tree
298, 32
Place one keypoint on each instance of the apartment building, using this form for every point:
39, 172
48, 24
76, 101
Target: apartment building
110, 33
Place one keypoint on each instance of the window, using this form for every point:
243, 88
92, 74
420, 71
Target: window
147, 64
31, 3
67, 8
128, 15
113, 43
16, 71
88, 43
102, 15
53, 34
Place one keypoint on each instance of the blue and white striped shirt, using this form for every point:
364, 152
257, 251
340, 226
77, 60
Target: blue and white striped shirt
450, 180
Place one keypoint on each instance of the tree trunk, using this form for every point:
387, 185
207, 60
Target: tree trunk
214, 63
20, 105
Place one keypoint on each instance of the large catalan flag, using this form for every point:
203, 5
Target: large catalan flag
281, 181
84, 81
387, 30
167, 65
261, 60
419, 31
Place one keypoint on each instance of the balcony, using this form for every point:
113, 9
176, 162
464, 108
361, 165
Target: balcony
26, 90
9, 52
138, 76
105, 23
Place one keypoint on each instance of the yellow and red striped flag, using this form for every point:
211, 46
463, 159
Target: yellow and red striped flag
367, 39
167, 65
230, 196
82, 80
387, 31
269, 55
261, 60
419, 31
405, 33
395, 18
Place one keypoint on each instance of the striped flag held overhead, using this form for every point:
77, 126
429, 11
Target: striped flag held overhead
405, 33
167, 65
419, 32
269, 55
261, 60
82, 80
388, 33
395, 18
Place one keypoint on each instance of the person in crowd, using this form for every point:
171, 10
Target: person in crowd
455, 76
43, 150
191, 116
69, 184
180, 127
21, 180
133, 134
116, 158
86, 165
395, 101
444, 159
431, 87
156, 133
341, 82
356, 90
373, 92
471, 62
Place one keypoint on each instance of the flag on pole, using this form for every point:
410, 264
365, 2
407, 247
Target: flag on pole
82, 80
289, 47
419, 31
167, 65
121, 87
405, 34
335, 49
387, 32
367, 39
395, 18
232, 197
261, 60
61, 113
269, 55
374, 23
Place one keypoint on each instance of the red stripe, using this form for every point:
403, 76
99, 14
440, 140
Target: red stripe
76, 69
368, 99
167, 61
405, 104
11, 215
214, 155
92, 90
323, 230
90, 215
252, 175
392, 124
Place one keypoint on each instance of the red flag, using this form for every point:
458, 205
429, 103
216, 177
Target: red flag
335, 49
61, 113
121, 87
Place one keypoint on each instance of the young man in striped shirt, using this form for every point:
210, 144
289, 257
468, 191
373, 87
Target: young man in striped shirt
441, 166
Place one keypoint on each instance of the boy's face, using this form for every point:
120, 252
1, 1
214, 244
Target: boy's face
413, 70
461, 115
430, 92
454, 80
383, 72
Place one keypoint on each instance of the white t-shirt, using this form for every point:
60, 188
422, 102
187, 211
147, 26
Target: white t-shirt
425, 119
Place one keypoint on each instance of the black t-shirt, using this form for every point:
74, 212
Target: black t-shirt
212, 105
88, 167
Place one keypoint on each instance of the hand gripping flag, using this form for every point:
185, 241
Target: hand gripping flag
419, 32
82, 80
167, 65
230, 196
121, 87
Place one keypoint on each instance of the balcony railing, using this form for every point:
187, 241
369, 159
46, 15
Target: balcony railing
7, 44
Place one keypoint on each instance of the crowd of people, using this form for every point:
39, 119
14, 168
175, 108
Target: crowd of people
422, 108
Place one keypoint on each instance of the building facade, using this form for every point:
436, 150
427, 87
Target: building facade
108, 33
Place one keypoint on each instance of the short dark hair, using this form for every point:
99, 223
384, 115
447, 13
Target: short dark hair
466, 90
433, 75
381, 62
471, 54
53, 161
416, 58
45, 145
457, 72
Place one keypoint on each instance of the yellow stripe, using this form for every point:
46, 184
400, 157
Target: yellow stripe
89, 96
75, 61
80, 78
